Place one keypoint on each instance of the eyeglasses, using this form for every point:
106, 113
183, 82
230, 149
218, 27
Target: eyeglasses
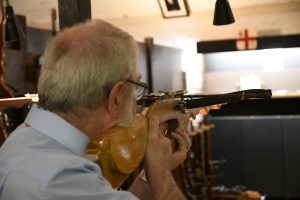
140, 88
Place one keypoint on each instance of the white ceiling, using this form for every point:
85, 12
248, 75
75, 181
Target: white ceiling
37, 12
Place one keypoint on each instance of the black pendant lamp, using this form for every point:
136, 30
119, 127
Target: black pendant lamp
13, 30
223, 14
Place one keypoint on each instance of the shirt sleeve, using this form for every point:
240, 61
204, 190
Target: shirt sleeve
82, 184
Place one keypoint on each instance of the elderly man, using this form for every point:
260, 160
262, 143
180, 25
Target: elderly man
89, 83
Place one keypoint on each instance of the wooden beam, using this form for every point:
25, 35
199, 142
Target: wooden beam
72, 12
268, 42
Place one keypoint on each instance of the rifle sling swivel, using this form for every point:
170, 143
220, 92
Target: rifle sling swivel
181, 106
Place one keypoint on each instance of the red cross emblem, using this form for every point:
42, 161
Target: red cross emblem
246, 42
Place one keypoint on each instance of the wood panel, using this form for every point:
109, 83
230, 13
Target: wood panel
16, 71
166, 69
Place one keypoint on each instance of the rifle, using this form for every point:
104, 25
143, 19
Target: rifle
120, 150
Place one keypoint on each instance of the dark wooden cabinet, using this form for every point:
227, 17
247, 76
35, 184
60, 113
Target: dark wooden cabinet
261, 152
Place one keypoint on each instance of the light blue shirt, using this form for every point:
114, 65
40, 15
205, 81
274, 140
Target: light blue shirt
44, 161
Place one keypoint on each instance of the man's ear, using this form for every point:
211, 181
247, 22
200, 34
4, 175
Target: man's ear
115, 99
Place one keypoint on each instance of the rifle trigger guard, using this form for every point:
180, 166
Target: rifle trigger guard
181, 106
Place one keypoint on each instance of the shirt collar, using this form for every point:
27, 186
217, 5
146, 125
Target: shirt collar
57, 128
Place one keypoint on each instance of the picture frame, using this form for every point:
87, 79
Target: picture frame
174, 8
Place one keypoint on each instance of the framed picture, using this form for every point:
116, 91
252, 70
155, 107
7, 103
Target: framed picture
174, 8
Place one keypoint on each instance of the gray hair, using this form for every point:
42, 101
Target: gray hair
81, 65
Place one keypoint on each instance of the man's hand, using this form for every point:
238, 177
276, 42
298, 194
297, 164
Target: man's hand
158, 152
184, 144
159, 160
156, 140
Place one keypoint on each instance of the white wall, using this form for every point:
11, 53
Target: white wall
184, 32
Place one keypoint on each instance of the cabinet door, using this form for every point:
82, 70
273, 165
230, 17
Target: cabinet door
226, 143
263, 155
291, 139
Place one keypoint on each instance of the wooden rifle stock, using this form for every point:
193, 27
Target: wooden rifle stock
120, 150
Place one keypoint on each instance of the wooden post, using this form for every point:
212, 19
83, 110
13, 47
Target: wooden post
149, 48
4, 91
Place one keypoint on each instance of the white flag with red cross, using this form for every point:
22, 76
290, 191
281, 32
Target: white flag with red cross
246, 42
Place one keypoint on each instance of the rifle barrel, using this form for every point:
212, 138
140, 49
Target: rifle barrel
208, 100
